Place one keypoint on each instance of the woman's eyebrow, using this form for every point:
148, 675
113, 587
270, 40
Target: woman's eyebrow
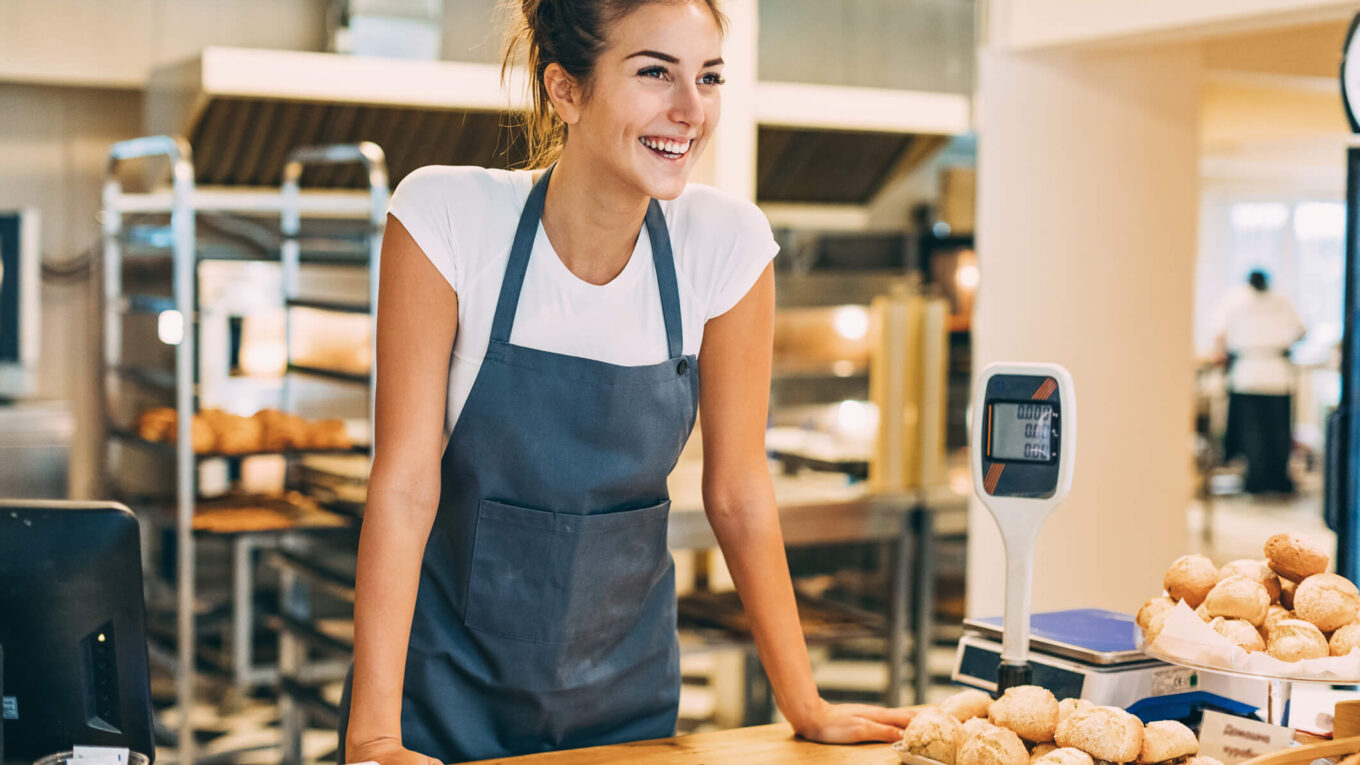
669, 59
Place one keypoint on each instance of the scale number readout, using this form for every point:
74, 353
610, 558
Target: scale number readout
1021, 432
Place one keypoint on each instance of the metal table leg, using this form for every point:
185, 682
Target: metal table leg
897, 614
923, 601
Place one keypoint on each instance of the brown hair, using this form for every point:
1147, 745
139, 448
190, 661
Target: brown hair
570, 33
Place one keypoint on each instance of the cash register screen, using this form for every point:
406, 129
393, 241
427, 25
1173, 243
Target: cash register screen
1021, 431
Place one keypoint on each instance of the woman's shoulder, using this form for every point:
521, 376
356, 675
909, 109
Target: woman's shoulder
709, 221
463, 185
715, 207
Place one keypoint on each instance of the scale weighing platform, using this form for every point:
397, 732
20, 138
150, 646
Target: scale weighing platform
1093, 654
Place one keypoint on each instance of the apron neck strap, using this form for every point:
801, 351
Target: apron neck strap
527, 230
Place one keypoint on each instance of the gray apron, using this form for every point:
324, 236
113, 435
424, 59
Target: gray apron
545, 617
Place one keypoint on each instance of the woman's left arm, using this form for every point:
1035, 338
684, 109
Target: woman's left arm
734, 398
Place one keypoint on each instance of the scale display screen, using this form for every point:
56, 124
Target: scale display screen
1022, 432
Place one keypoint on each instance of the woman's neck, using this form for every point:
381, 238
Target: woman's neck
591, 220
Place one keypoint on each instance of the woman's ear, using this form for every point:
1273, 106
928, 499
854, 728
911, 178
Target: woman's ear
564, 93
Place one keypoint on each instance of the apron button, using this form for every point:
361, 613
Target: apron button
682, 367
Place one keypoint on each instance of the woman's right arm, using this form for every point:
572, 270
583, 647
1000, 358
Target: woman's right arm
417, 322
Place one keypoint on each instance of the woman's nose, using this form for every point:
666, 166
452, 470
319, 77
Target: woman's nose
688, 107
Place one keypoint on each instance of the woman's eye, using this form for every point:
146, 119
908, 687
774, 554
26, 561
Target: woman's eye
712, 78
653, 71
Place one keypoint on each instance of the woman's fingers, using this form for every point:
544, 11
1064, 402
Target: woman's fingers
899, 716
876, 731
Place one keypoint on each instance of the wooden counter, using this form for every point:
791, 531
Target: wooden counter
755, 745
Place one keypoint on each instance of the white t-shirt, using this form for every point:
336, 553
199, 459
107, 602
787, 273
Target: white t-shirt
464, 219
1259, 328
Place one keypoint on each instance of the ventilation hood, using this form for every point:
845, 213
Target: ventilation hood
244, 109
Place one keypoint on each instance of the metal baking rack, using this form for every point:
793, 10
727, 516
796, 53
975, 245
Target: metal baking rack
135, 375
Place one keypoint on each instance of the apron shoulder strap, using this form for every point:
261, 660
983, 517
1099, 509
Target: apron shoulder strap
513, 282
664, 261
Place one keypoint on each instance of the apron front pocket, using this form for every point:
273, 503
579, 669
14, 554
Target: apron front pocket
559, 577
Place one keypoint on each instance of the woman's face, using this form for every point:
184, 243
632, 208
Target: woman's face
654, 101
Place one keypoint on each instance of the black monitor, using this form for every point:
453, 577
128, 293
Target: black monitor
73, 629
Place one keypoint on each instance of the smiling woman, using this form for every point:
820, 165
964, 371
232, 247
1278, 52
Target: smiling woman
539, 346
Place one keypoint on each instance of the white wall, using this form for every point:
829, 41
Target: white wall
1088, 192
1034, 24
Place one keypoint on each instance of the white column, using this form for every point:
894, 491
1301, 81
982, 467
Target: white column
730, 162
1088, 195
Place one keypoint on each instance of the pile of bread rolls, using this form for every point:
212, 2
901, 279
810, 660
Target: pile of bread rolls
1286, 605
268, 430
1029, 725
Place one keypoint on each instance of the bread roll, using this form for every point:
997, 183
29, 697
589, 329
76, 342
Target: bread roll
1344, 639
1239, 597
1039, 750
1296, 640
328, 434
1154, 628
1166, 740
1203, 613
934, 734
1352, 759
965, 705
1294, 557
201, 435
1253, 569
157, 424
1030, 711
1328, 601
975, 725
1240, 632
1190, 578
1275, 615
1153, 607
1105, 733
991, 745
1202, 760
1063, 756
1068, 706
1287, 589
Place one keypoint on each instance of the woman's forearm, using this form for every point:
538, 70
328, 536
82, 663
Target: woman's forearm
391, 546
753, 545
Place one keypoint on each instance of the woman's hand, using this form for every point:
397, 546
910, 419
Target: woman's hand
386, 751
852, 723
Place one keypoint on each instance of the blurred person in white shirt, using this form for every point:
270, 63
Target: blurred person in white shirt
1254, 330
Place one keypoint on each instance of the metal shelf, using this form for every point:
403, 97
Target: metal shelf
168, 449
329, 374
332, 306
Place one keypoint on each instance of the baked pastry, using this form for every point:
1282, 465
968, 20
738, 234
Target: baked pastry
1105, 733
1294, 557
1190, 578
328, 434
1202, 760
1150, 633
1329, 601
1287, 589
157, 424
1063, 756
965, 705
1068, 706
1039, 750
935, 734
1240, 632
1166, 740
1345, 639
1296, 640
991, 745
1274, 615
1253, 569
1239, 597
239, 435
975, 725
1203, 612
201, 435
1030, 711
1151, 608
282, 431
1352, 759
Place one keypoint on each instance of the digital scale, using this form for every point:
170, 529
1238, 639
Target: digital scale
1023, 452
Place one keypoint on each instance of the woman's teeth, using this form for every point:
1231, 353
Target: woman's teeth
667, 148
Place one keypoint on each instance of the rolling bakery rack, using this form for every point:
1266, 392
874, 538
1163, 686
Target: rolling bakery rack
151, 327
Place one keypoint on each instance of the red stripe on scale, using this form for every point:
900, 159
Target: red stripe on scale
1046, 389
993, 477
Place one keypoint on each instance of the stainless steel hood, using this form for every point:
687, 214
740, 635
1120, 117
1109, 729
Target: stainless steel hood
243, 110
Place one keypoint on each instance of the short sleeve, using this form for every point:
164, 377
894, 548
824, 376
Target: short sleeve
422, 203
748, 249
